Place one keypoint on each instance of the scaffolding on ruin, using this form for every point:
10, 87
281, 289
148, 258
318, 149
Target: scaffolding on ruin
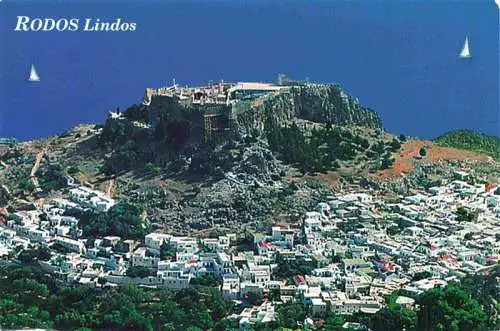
207, 126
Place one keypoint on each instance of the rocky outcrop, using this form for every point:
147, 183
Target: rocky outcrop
169, 118
318, 103
169, 129
329, 104
258, 163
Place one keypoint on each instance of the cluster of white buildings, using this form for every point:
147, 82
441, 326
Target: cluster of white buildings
357, 247
362, 248
49, 227
90, 198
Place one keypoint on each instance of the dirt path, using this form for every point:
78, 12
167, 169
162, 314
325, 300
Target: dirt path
38, 160
39, 157
111, 185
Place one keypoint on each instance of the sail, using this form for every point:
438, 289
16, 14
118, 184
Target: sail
33, 75
465, 53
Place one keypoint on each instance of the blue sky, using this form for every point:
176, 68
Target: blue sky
399, 58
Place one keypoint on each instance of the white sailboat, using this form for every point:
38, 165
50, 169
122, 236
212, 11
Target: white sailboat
33, 75
465, 53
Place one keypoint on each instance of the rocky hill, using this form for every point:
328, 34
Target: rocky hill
194, 166
472, 141
174, 134
318, 103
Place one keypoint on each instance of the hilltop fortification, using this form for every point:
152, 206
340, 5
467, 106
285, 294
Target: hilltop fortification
175, 121
233, 110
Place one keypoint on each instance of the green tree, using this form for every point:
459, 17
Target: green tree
73, 170
166, 251
207, 279
450, 308
463, 215
365, 143
468, 235
395, 145
27, 301
44, 253
70, 319
287, 269
290, 314
254, 298
123, 219
27, 256
387, 161
26, 185
102, 281
421, 275
394, 317
138, 271
334, 323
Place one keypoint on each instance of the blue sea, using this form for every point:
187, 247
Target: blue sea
399, 58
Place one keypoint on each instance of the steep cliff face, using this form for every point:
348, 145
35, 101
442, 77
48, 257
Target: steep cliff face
164, 123
327, 104
160, 133
317, 103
